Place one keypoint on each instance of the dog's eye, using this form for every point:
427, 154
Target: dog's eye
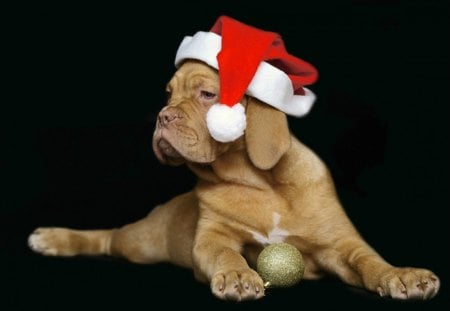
207, 95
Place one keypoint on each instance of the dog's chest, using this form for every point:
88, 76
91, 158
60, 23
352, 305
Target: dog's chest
275, 235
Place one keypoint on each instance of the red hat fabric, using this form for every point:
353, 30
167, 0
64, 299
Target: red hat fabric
250, 61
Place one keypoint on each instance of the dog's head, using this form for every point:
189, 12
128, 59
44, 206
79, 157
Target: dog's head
181, 133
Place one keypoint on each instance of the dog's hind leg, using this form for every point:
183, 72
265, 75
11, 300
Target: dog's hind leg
166, 234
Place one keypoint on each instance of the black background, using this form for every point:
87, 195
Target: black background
85, 83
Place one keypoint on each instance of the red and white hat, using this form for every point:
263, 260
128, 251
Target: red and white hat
250, 61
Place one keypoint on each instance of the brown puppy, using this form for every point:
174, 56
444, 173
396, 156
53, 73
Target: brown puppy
263, 188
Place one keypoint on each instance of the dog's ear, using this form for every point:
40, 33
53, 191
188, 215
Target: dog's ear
267, 134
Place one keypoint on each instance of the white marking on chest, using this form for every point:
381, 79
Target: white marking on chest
276, 235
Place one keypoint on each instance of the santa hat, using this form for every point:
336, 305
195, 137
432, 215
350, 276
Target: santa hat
250, 61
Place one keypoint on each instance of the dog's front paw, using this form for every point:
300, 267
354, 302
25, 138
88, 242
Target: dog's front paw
237, 285
51, 242
408, 283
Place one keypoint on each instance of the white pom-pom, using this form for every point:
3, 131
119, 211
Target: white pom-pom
226, 124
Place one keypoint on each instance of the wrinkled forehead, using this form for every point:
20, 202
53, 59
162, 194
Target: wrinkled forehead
193, 74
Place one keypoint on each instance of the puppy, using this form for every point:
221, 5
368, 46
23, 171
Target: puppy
262, 188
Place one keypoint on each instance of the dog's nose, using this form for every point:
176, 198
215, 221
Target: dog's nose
167, 116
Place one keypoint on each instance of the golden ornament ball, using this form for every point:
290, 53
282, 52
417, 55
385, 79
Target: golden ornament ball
280, 265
